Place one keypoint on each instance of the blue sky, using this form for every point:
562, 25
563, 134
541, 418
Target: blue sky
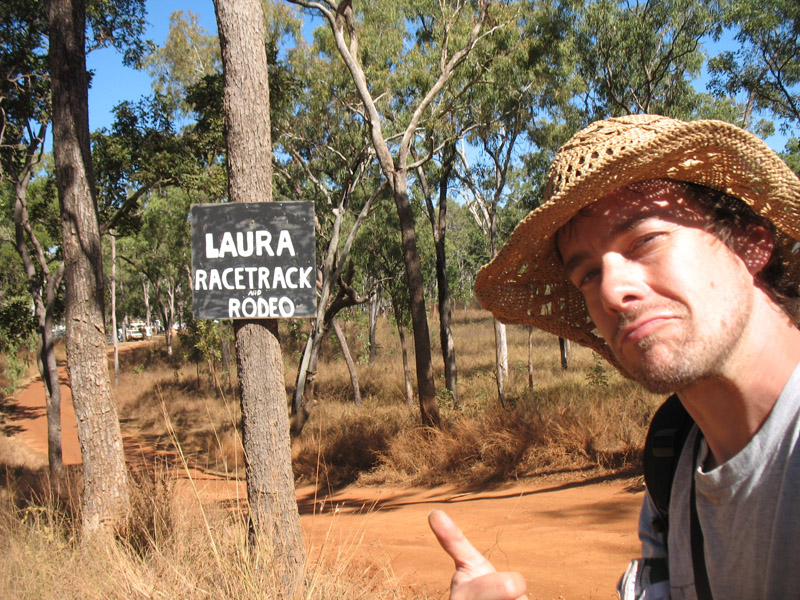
112, 82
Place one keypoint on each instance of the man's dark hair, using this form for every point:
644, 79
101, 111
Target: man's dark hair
730, 215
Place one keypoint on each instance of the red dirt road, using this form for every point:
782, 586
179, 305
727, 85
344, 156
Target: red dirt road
570, 540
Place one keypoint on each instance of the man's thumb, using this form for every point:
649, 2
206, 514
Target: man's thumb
457, 545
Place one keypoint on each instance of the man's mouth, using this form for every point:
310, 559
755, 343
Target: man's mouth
641, 328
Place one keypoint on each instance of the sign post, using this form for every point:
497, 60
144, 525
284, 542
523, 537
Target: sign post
253, 260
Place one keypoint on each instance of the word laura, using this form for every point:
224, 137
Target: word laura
247, 243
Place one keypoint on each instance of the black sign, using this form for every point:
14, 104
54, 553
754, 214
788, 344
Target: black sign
253, 260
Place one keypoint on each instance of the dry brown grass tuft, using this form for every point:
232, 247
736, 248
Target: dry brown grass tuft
163, 394
189, 552
344, 442
587, 417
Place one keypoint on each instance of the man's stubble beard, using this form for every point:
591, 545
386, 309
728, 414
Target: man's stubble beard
665, 366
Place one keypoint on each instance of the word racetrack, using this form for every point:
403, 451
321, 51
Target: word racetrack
253, 260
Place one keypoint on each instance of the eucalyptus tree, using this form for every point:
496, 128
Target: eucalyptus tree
324, 156
141, 152
508, 109
385, 51
106, 502
766, 65
466, 251
159, 252
436, 212
275, 522
189, 53
641, 56
381, 257
24, 121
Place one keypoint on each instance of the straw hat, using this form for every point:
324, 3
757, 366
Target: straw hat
525, 283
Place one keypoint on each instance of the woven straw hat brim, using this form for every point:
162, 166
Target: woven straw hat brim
525, 282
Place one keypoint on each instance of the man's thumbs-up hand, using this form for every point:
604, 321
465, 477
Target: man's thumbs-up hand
475, 577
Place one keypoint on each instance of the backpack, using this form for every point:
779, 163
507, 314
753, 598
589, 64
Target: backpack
666, 436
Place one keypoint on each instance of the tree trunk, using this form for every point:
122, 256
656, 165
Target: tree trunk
419, 317
501, 360
530, 358
404, 351
274, 517
302, 374
342, 20
146, 297
106, 504
49, 374
171, 311
113, 236
406, 367
302, 402
168, 329
348, 359
308, 375
43, 289
373, 325
443, 287
563, 345
275, 520
307, 371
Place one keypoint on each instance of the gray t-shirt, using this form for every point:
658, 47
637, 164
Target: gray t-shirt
749, 510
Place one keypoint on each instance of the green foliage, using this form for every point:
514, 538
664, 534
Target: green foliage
642, 57
16, 363
189, 54
203, 340
121, 24
25, 85
16, 322
160, 251
765, 68
467, 250
792, 155
597, 376
140, 152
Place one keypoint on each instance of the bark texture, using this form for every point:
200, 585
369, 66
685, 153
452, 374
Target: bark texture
348, 359
106, 503
43, 289
275, 521
438, 220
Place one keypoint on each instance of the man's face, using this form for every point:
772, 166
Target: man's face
670, 299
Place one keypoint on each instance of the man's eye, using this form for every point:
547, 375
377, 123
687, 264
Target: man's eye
645, 240
588, 277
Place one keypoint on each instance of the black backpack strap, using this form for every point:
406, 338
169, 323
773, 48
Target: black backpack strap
668, 431
701, 583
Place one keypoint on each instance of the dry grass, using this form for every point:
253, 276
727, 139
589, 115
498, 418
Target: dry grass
586, 419
170, 552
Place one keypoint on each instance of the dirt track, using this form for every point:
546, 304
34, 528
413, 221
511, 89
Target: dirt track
570, 540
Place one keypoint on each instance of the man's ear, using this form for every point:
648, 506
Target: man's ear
755, 248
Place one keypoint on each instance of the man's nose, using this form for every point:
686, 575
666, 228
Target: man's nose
621, 285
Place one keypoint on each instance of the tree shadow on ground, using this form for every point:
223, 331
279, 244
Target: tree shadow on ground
315, 501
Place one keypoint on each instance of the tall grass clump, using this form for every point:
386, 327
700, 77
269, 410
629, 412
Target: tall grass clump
175, 547
344, 442
539, 435
583, 420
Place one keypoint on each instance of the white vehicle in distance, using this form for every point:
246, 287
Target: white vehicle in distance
137, 330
